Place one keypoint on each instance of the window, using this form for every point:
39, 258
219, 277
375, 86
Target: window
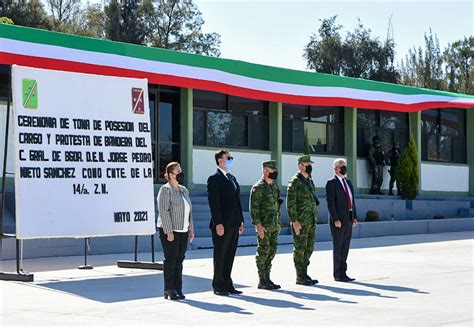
324, 127
164, 102
443, 135
224, 120
390, 126
4, 76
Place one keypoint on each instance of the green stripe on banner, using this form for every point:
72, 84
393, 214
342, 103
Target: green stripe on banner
235, 67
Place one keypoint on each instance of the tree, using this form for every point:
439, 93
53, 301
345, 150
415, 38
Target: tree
407, 171
125, 21
63, 11
323, 53
6, 20
177, 25
359, 55
25, 13
424, 68
459, 65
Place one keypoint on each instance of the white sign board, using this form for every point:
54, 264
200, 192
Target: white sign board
83, 163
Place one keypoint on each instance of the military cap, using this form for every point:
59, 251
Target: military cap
305, 158
270, 164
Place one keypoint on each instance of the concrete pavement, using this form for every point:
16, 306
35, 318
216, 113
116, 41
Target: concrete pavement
418, 280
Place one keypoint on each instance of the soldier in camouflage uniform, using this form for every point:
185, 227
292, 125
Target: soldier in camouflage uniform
302, 203
376, 159
265, 201
392, 158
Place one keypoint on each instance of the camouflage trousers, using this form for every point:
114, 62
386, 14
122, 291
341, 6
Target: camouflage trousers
377, 178
303, 246
266, 249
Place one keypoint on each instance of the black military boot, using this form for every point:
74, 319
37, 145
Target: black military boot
301, 278
269, 281
263, 282
313, 281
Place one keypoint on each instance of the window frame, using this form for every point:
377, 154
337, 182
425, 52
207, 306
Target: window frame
439, 134
307, 120
377, 127
246, 115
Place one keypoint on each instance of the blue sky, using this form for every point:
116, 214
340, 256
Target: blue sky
275, 32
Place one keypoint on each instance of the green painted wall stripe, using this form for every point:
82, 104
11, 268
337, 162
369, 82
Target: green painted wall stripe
230, 66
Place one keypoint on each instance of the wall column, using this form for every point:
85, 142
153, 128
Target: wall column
187, 135
470, 148
276, 134
415, 131
350, 144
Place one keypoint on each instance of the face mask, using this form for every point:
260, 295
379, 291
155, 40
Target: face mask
229, 164
273, 175
180, 178
308, 169
343, 170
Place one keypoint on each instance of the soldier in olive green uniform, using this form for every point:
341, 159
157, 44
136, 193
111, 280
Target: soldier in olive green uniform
301, 202
376, 159
265, 204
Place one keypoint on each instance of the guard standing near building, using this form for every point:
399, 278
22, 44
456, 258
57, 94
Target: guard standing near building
265, 202
392, 160
302, 203
376, 159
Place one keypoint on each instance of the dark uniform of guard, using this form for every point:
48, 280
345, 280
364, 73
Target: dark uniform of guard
302, 203
392, 160
265, 202
376, 159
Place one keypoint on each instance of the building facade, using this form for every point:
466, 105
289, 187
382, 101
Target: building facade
200, 104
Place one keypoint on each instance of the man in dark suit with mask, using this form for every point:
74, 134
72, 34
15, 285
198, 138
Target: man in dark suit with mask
343, 215
227, 222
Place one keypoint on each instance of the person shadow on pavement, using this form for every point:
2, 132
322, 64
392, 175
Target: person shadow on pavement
275, 303
391, 288
314, 297
353, 291
207, 306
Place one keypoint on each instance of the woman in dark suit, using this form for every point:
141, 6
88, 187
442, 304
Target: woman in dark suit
175, 224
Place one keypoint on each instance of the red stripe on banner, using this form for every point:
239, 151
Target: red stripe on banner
154, 78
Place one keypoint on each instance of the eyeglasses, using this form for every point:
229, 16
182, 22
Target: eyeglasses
230, 158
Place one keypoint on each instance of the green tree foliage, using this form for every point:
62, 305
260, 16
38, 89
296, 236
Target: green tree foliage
407, 171
6, 20
170, 24
62, 12
459, 59
424, 67
29, 13
324, 52
358, 55
177, 25
125, 21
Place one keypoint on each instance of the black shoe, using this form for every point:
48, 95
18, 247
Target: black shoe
180, 295
304, 281
349, 279
275, 286
342, 279
221, 293
234, 291
313, 281
263, 285
171, 295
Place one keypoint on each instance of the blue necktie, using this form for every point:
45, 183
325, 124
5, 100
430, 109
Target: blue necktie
229, 177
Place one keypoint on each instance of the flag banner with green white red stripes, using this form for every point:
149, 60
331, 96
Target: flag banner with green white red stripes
57, 51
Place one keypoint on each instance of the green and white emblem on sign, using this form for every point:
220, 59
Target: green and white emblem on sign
30, 94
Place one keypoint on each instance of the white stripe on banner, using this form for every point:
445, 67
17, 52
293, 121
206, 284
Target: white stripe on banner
113, 60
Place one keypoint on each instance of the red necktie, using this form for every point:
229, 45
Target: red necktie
347, 193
